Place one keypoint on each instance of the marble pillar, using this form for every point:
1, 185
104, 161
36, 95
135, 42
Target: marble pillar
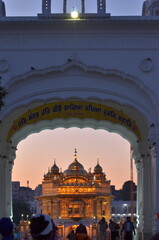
147, 197
139, 198
6, 165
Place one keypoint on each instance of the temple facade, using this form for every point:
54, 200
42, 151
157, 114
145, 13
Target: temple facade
76, 195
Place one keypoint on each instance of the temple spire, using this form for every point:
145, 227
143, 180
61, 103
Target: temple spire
75, 155
65, 6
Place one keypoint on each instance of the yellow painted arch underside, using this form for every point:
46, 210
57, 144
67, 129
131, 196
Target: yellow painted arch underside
73, 109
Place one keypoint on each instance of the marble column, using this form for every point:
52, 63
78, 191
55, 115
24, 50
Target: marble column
147, 197
9, 167
139, 198
3, 187
154, 149
6, 165
155, 194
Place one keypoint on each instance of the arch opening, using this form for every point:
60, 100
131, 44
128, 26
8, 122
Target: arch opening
75, 113
92, 146
61, 136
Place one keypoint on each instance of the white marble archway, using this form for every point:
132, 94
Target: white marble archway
77, 81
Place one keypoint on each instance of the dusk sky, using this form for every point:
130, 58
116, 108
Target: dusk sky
37, 152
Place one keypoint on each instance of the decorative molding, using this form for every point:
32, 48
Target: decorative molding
87, 69
146, 65
81, 65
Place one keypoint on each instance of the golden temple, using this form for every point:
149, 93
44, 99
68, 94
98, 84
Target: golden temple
76, 195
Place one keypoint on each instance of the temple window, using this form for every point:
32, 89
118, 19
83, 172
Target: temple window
76, 210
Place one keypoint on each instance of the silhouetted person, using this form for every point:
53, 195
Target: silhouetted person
155, 236
102, 228
81, 229
128, 228
71, 235
81, 233
41, 227
6, 228
114, 228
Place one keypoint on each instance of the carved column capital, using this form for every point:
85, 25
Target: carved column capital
138, 165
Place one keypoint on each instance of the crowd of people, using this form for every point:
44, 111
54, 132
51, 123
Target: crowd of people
42, 227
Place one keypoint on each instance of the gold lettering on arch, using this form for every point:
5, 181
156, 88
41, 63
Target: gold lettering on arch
74, 109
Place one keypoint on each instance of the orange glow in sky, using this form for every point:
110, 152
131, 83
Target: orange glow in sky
37, 152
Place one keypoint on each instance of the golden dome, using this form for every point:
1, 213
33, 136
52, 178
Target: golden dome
75, 168
98, 168
55, 168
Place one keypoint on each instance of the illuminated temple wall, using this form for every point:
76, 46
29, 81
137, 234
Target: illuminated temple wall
75, 195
